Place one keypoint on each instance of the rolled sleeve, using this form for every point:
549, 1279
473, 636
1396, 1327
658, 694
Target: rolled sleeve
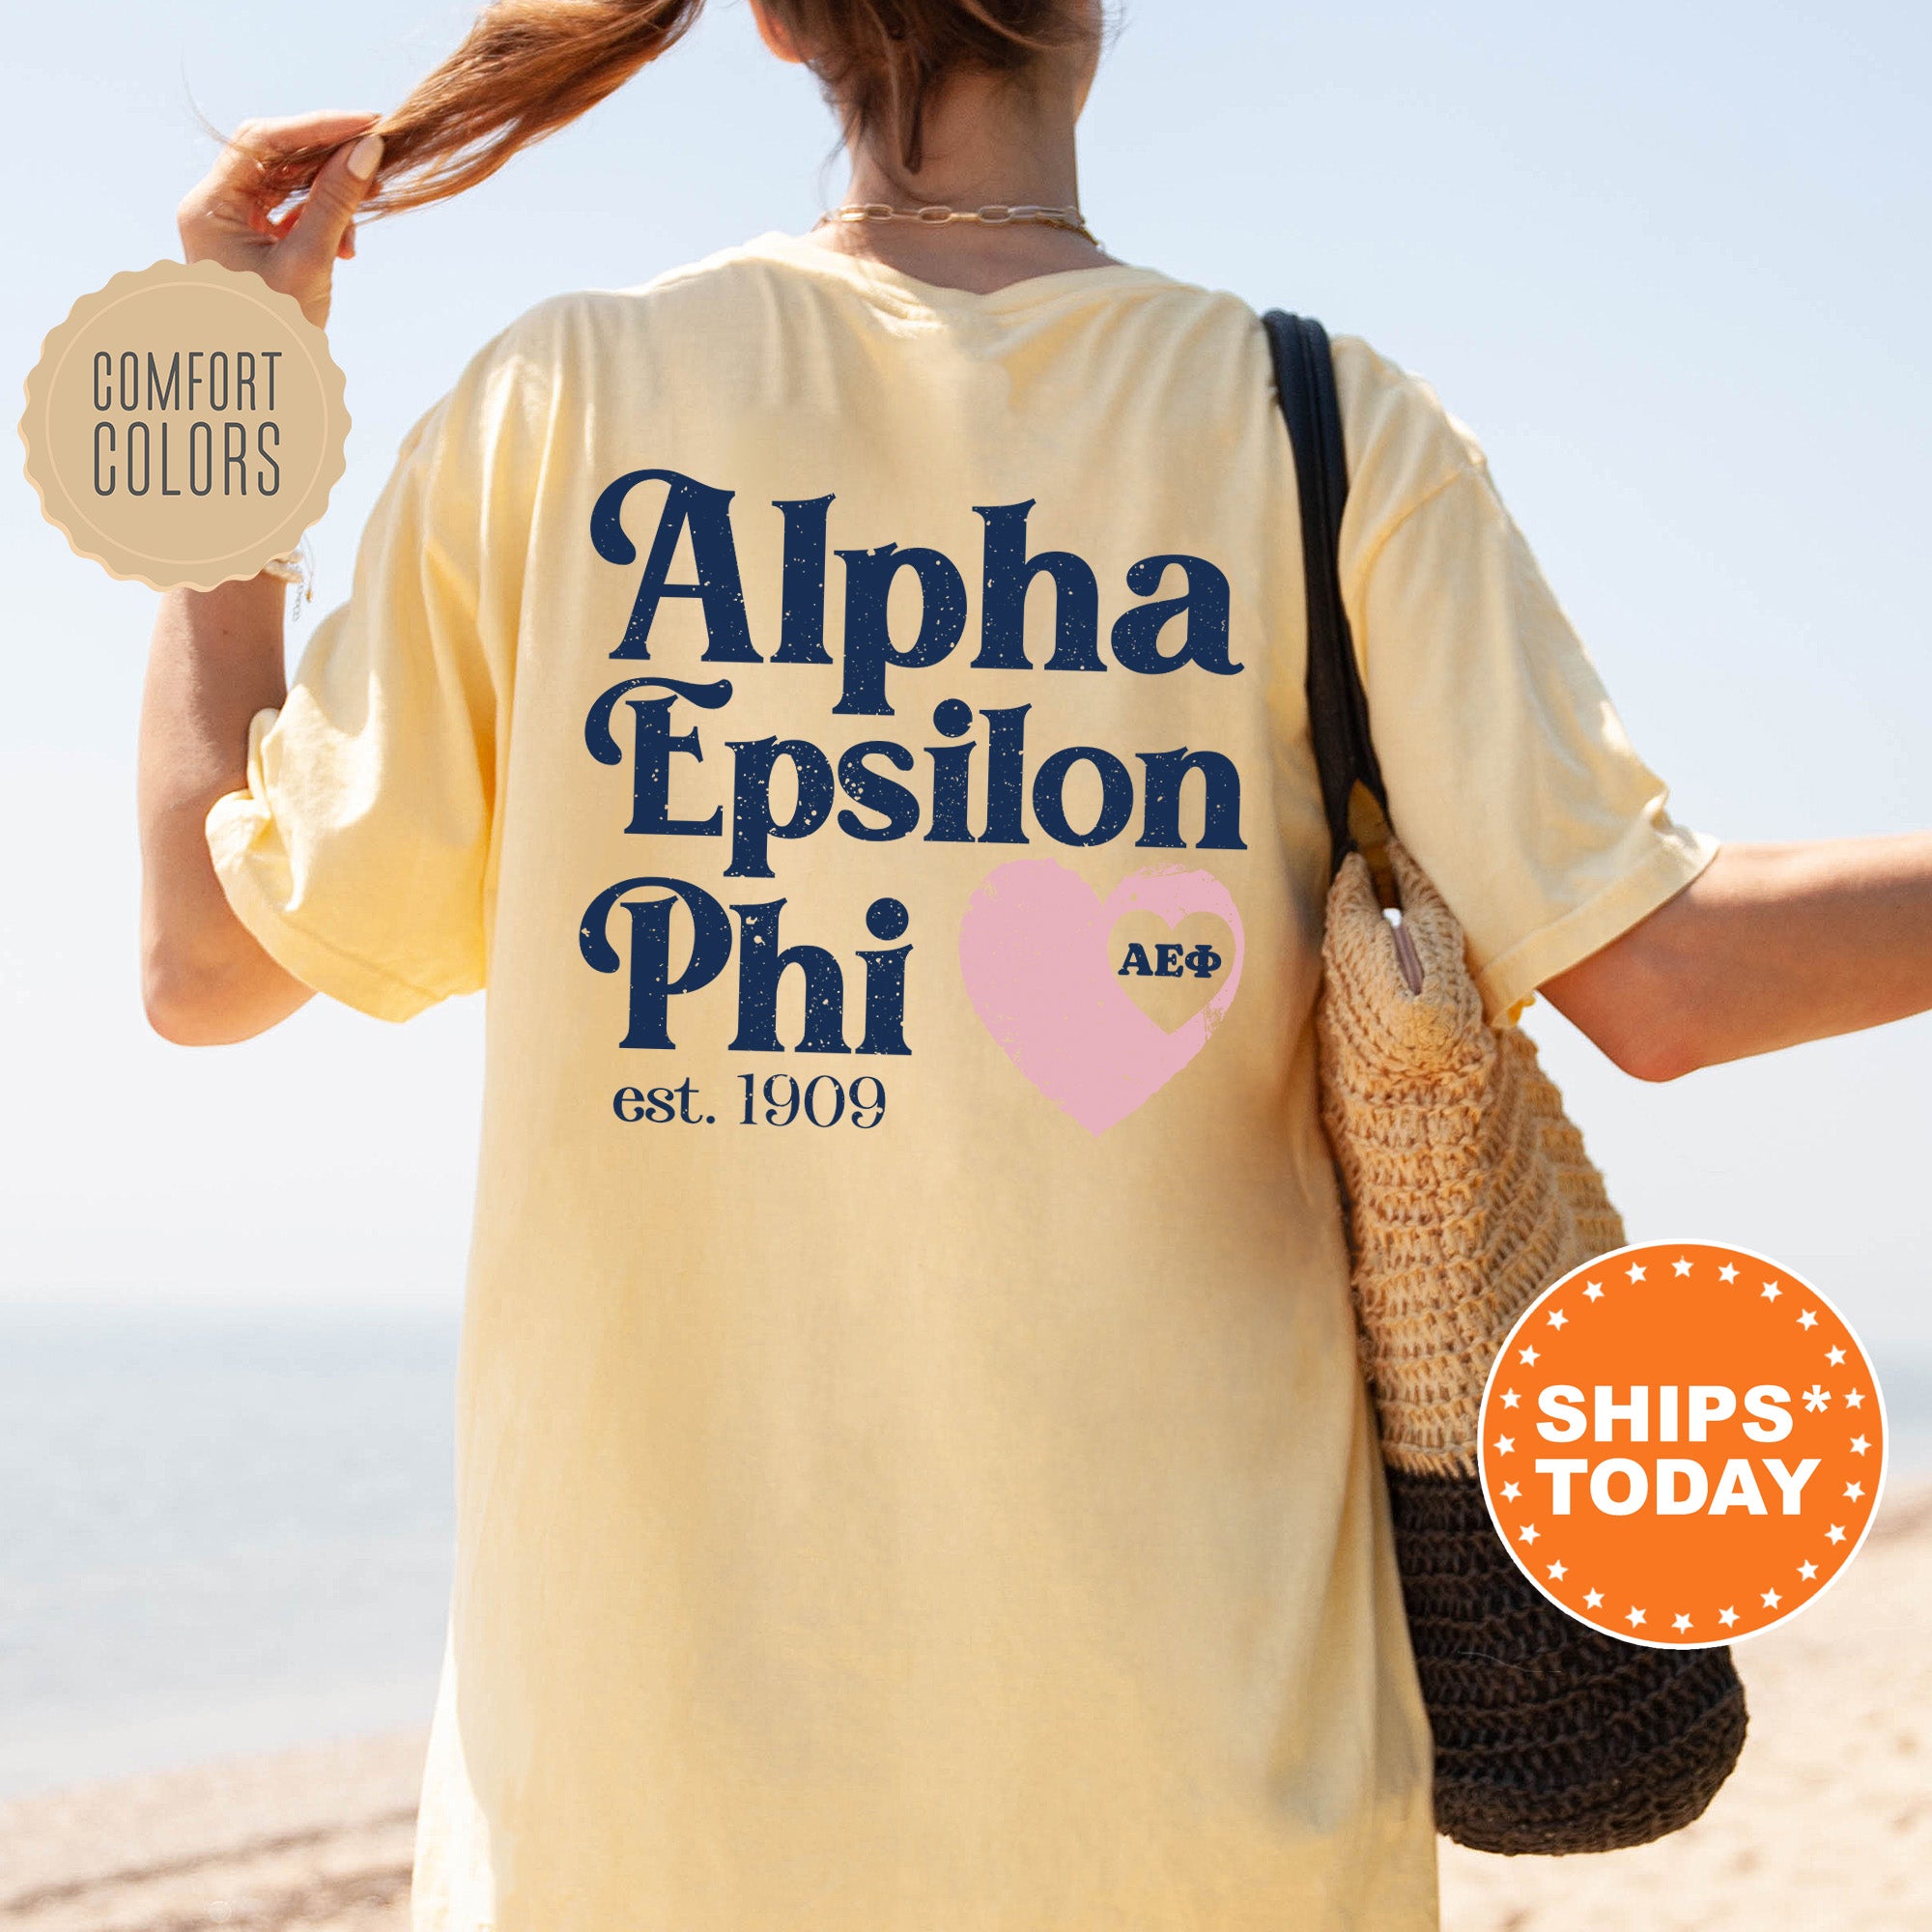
252, 862
1510, 776
360, 853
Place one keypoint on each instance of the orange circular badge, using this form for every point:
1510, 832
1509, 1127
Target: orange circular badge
1681, 1443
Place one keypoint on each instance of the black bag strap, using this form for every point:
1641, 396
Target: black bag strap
1338, 707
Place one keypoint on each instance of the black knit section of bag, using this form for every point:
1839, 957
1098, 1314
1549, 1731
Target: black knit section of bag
1550, 1737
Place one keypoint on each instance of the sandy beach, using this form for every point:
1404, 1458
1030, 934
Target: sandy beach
1828, 1822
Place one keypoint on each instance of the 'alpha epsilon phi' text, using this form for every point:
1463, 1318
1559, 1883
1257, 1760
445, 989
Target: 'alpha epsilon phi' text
878, 808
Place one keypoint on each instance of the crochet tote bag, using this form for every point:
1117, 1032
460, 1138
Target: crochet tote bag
1467, 1193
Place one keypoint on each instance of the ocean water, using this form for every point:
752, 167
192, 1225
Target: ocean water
219, 1532
225, 1532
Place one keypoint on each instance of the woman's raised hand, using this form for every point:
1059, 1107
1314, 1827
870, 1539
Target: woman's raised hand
230, 216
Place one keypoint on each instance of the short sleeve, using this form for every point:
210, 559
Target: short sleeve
1510, 779
360, 855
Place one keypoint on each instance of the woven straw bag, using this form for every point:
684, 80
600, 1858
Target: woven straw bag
1468, 1192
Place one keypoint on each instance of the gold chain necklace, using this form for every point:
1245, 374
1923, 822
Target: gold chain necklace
997, 215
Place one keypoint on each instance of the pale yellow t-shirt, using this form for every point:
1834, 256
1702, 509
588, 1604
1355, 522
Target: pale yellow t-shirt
913, 1473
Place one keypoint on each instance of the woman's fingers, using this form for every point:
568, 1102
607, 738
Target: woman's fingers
229, 217
238, 163
315, 240
230, 197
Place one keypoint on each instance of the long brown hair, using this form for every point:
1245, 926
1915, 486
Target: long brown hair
528, 67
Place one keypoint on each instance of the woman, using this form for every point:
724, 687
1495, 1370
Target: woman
913, 1469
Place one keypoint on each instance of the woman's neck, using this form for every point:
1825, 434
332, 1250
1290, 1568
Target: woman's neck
987, 143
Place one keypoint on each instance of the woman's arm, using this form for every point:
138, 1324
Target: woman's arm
1769, 946
216, 661
216, 657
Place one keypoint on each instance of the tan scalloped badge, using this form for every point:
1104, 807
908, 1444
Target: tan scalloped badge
185, 425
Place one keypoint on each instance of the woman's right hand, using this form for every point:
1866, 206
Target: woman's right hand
229, 217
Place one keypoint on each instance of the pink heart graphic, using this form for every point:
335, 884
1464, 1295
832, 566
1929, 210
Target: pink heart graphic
1033, 948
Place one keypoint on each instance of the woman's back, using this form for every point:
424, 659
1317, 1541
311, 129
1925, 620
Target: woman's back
915, 1469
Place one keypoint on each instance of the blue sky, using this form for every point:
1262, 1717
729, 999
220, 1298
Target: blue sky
1670, 261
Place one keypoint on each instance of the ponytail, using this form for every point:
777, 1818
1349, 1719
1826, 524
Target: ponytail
528, 67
